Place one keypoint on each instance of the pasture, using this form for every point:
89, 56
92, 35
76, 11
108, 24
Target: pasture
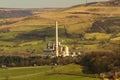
67, 72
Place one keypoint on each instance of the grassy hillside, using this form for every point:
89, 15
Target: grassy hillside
44, 73
81, 27
78, 17
20, 12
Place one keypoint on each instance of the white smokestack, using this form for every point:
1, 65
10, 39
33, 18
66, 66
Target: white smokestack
57, 54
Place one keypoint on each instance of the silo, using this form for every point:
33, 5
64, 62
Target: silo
66, 51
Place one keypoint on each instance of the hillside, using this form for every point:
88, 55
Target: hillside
105, 3
113, 3
16, 13
109, 25
89, 25
77, 16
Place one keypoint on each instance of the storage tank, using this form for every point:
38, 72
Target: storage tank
66, 50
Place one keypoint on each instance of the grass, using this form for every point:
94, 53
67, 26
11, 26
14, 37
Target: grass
66, 17
45, 73
116, 40
26, 28
98, 36
12, 44
26, 33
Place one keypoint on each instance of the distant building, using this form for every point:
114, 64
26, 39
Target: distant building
63, 50
3, 66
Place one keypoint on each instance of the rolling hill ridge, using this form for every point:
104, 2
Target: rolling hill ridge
19, 12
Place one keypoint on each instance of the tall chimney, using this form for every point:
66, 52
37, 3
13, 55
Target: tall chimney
57, 54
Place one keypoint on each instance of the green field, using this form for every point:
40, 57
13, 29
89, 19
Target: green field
67, 72
31, 38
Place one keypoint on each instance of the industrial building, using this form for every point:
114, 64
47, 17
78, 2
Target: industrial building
63, 50
54, 48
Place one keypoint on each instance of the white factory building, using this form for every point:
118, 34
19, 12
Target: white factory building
63, 50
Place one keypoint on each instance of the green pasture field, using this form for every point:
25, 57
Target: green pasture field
30, 37
67, 72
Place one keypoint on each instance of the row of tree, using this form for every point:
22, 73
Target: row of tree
95, 62
101, 61
16, 61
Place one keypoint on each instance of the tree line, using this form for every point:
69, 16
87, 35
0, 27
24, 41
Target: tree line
94, 62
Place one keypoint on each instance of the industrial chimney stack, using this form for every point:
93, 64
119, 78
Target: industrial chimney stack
57, 54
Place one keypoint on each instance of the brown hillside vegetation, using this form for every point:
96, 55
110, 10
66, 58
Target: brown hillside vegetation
105, 3
113, 2
80, 17
19, 12
109, 25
